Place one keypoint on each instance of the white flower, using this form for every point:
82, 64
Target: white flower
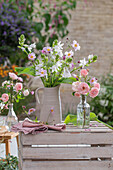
26, 92
56, 66
90, 57
22, 48
69, 54
66, 73
58, 48
25, 45
75, 45
83, 62
33, 45
2, 105
30, 47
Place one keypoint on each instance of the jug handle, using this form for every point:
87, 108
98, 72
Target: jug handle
36, 94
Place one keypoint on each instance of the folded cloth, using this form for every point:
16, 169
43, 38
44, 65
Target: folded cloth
28, 126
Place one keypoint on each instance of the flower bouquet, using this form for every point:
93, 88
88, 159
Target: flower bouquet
54, 66
83, 87
13, 92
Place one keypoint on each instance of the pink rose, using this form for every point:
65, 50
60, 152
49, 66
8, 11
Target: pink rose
97, 85
20, 79
75, 85
94, 92
83, 88
18, 86
77, 94
5, 97
13, 76
84, 72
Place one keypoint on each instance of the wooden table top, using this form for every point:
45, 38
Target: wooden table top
7, 135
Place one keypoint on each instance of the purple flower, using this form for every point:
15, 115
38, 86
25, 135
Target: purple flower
31, 111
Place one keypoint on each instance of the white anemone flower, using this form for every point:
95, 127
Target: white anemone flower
90, 57
66, 73
30, 47
56, 66
69, 54
58, 48
75, 45
83, 62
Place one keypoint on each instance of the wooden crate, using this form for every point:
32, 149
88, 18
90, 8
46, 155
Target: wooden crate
72, 149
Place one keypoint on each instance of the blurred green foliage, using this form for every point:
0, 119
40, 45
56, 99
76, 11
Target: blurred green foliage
102, 105
9, 163
47, 21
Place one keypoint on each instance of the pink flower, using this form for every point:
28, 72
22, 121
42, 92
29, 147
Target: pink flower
42, 72
52, 110
97, 85
4, 83
75, 85
83, 88
47, 50
5, 97
13, 76
31, 56
20, 79
32, 92
84, 72
26, 92
31, 111
77, 94
23, 107
94, 92
6, 106
18, 86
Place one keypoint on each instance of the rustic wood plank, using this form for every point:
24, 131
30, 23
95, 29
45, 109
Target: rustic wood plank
67, 153
68, 165
67, 138
20, 163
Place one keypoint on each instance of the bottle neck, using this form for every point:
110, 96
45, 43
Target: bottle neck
83, 99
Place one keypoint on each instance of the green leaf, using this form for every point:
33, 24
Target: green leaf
94, 58
69, 80
71, 119
25, 70
38, 26
51, 39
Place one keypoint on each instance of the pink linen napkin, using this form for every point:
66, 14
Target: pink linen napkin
28, 126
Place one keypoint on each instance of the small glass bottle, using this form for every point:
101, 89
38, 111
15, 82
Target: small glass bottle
83, 113
11, 118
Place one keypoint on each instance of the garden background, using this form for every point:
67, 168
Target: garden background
90, 22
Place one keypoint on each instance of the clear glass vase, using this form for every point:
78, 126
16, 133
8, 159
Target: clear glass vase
11, 118
83, 113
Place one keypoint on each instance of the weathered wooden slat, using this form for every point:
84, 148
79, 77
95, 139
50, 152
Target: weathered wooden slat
68, 165
67, 153
20, 163
67, 138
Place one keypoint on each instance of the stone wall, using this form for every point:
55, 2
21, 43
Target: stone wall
92, 26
